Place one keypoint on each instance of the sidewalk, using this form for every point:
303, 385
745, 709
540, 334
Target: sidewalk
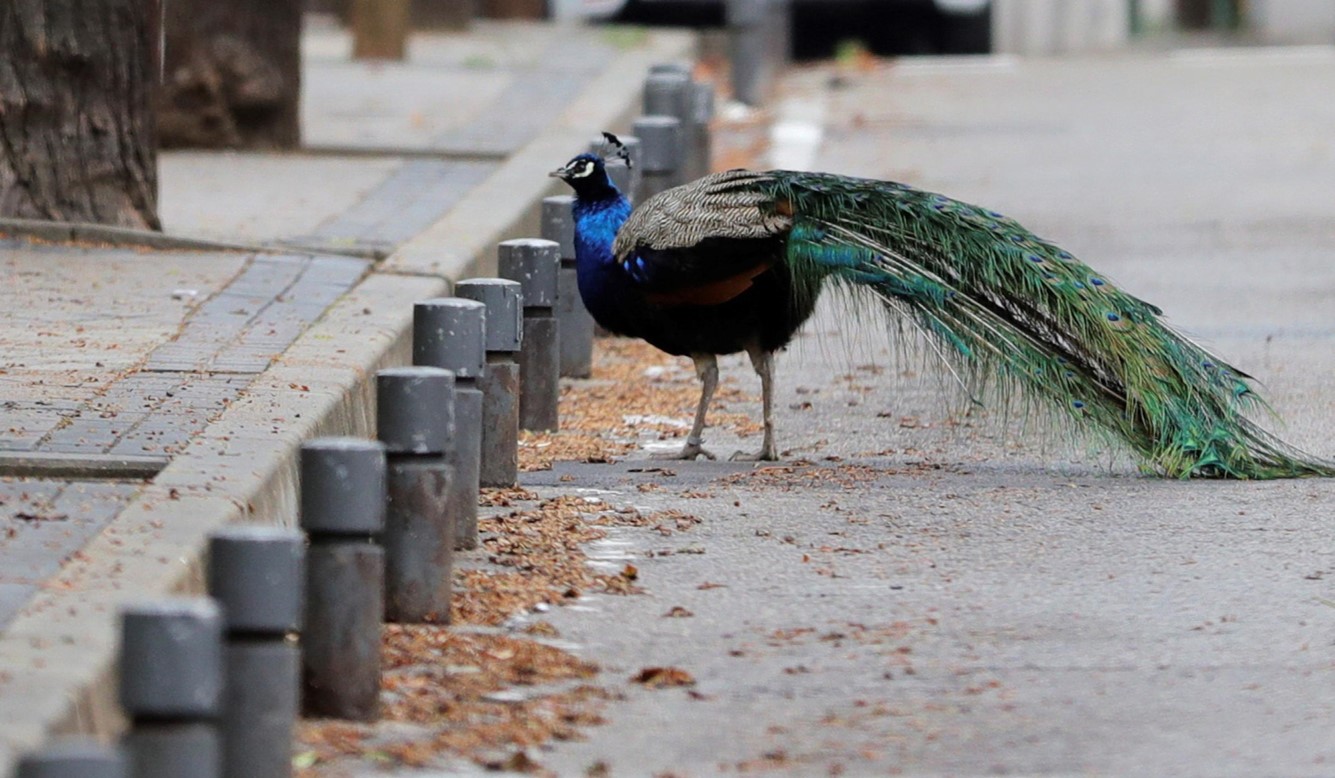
157, 390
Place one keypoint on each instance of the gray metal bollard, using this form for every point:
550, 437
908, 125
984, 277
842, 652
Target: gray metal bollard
343, 510
667, 92
450, 333
500, 380
750, 27
661, 152
73, 757
171, 687
573, 319
626, 176
258, 576
536, 264
702, 119
415, 421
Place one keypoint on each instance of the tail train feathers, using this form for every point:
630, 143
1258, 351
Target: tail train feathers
1001, 302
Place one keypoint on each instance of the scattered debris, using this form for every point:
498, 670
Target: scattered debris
661, 677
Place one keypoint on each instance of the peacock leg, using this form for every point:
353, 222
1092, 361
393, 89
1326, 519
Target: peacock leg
763, 362
706, 367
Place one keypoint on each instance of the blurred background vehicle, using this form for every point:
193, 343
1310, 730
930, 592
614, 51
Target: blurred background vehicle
819, 26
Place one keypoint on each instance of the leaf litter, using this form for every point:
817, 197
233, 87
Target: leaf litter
488, 689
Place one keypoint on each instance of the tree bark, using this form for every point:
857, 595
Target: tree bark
514, 9
77, 140
233, 74
379, 29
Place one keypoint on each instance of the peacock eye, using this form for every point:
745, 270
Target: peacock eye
585, 169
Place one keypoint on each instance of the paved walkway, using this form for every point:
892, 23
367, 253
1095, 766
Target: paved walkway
938, 594
151, 395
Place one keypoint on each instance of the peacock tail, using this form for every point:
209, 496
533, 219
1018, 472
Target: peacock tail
997, 302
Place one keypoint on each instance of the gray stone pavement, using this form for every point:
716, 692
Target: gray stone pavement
938, 594
154, 392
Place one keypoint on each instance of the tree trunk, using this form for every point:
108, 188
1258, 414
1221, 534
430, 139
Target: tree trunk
379, 29
77, 138
233, 74
514, 9
443, 14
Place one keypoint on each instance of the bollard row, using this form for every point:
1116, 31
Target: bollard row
669, 90
213, 686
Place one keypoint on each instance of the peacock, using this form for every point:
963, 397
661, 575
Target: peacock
735, 261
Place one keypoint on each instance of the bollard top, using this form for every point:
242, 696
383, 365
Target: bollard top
558, 222
171, 658
71, 757
505, 309
450, 332
670, 67
661, 143
746, 13
415, 410
258, 574
343, 444
342, 486
667, 93
535, 263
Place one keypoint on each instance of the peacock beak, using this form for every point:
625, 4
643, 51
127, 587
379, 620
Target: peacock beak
561, 172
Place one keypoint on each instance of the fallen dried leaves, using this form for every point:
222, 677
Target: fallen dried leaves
661, 677
489, 697
445, 692
634, 389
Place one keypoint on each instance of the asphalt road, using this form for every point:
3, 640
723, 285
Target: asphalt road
950, 594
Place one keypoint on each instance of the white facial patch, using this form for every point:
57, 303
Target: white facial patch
584, 170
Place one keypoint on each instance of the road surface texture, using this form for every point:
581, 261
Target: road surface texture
941, 593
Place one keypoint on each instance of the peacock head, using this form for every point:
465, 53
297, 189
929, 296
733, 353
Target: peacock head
587, 175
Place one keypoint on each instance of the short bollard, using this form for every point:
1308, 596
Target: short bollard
624, 172
171, 687
536, 264
343, 512
415, 421
450, 333
499, 382
748, 21
573, 319
258, 576
702, 118
73, 757
661, 153
669, 91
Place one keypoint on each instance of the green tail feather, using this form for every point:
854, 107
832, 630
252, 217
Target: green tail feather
1004, 302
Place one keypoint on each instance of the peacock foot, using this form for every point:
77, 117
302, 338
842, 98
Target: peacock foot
689, 452
765, 454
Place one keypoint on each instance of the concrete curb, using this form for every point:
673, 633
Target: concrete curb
57, 657
242, 468
66, 232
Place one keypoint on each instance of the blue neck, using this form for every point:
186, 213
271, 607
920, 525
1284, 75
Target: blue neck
603, 285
